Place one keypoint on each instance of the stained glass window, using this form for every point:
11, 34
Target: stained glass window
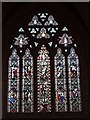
21, 71
13, 82
60, 82
27, 82
74, 81
43, 81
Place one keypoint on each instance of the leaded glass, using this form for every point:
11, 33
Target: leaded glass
36, 44
35, 21
55, 45
43, 81
21, 30
30, 46
50, 44
13, 82
74, 81
21, 40
27, 82
65, 40
60, 82
11, 46
42, 25
43, 34
51, 21
65, 29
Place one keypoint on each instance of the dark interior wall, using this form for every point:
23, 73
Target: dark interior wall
0, 60
73, 15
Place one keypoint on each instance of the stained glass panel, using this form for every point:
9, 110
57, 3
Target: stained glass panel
65, 40
60, 82
21, 40
65, 29
13, 82
43, 25
27, 82
43, 81
51, 21
74, 81
43, 34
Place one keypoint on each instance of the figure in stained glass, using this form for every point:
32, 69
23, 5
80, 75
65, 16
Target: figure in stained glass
74, 82
43, 81
13, 82
60, 82
27, 82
